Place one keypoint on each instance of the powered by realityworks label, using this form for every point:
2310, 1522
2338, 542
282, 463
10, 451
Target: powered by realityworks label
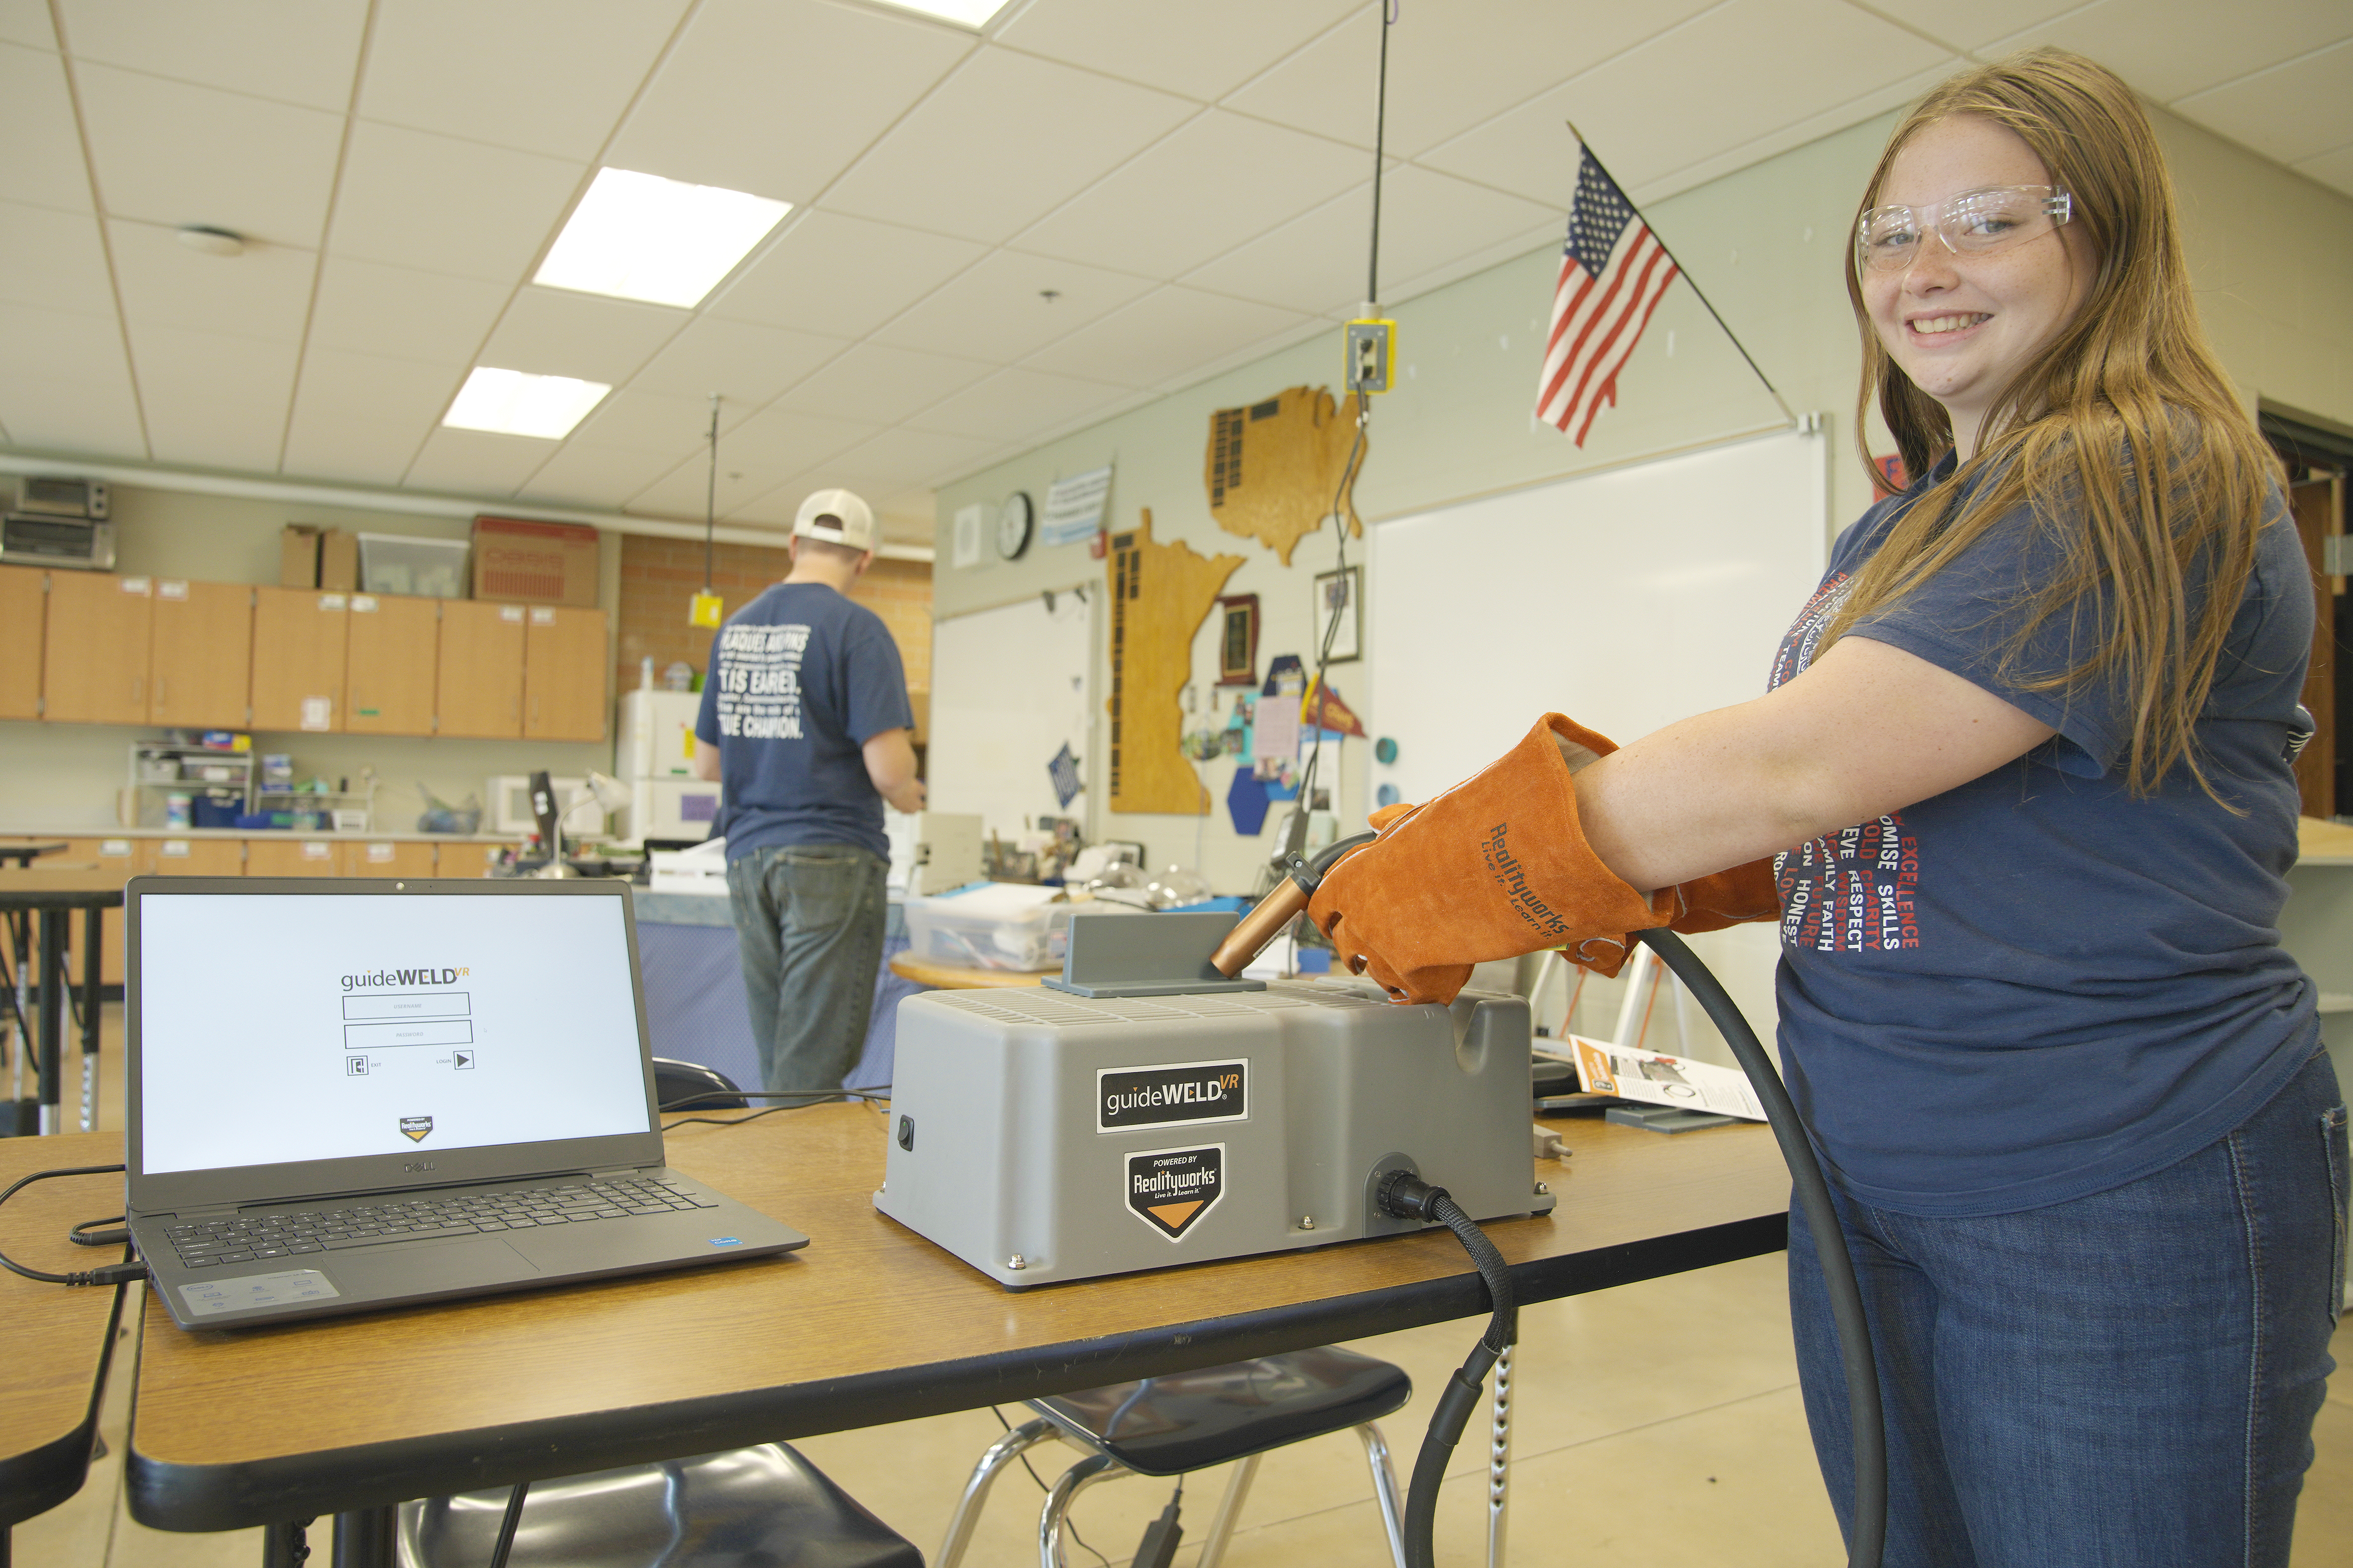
1179, 1092
1171, 1189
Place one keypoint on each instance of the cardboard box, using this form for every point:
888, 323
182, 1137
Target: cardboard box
297, 556
520, 562
339, 561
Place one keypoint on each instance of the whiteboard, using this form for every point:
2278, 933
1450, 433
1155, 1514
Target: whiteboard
1009, 686
1626, 599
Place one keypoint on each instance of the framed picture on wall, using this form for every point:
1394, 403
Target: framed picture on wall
1238, 640
1341, 596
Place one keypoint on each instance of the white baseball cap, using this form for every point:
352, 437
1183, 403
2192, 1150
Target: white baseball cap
836, 517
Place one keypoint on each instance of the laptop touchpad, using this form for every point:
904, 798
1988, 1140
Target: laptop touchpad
421, 1271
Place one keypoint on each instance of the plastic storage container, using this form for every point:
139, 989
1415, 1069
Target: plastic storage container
402, 563
994, 925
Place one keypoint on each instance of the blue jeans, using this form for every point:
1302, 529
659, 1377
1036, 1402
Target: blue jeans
809, 920
2127, 1380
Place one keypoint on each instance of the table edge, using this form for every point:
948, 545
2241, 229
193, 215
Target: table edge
165, 1495
39, 1479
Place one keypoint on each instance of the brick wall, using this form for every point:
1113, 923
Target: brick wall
658, 576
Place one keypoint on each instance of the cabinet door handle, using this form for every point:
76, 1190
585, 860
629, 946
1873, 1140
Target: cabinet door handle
161, 701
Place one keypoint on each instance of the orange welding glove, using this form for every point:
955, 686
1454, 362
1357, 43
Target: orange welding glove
1495, 867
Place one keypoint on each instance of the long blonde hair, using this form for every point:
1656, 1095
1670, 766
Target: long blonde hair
2141, 466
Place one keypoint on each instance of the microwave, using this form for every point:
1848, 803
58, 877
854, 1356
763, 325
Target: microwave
27, 540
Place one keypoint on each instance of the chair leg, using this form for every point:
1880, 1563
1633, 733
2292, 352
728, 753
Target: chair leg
1001, 1453
1384, 1490
1065, 1491
1221, 1529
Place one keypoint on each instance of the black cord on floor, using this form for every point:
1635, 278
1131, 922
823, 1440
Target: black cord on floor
1067, 1520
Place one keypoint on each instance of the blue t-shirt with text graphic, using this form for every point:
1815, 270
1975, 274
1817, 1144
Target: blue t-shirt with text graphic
2035, 986
799, 680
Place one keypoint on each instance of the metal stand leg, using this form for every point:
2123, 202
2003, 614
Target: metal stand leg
1499, 1461
93, 935
1066, 1489
1221, 1529
53, 1016
365, 1538
1384, 1490
1001, 1453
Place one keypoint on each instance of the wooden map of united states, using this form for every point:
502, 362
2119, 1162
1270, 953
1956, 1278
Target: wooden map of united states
1273, 468
1159, 595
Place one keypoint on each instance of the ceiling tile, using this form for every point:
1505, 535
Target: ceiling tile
669, 428
746, 364
759, 455
1825, 53
212, 400
1797, 133
439, 204
171, 153
2333, 170
1162, 335
1316, 262
553, 331
53, 259
544, 75
2290, 113
1196, 193
996, 311
1448, 70
475, 462
839, 276
885, 384
896, 459
1974, 26
27, 21
2168, 48
362, 417
776, 96
98, 421
589, 476
44, 165
398, 313
264, 293
1015, 404
1203, 49
1002, 143
297, 51
42, 347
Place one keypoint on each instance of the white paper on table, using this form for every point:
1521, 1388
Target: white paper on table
1656, 1080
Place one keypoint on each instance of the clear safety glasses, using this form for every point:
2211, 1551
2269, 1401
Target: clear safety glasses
1971, 224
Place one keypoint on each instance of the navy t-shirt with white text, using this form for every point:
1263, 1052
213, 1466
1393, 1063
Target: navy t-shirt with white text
2035, 986
799, 680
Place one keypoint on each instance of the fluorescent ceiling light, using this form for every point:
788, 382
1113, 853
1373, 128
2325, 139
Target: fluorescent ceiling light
640, 236
966, 13
509, 403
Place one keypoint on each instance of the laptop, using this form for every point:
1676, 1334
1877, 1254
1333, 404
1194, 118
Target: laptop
346, 1095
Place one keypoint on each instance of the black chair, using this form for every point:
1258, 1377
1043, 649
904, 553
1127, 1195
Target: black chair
677, 1083
764, 1504
1192, 1421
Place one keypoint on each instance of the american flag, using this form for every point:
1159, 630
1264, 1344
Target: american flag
1612, 272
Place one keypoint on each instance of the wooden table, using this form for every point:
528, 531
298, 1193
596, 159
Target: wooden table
58, 1337
958, 977
869, 1324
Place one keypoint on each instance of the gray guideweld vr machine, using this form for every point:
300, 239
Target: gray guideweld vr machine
1149, 1107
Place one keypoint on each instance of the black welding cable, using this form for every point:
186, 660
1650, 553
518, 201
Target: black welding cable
1864, 1417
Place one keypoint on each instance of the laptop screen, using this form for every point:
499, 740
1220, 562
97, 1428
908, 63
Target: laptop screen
283, 1027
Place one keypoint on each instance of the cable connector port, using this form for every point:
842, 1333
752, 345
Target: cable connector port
1404, 1196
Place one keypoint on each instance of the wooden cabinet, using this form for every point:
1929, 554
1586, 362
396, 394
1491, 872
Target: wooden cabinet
390, 657
293, 857
467, 860
201, 657
192, 858
478, 691
299, 639
21, 598
94, 648
404, 858
565, 668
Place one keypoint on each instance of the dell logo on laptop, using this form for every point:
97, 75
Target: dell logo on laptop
417, 1167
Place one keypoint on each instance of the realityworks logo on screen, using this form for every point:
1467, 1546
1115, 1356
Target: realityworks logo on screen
389, 977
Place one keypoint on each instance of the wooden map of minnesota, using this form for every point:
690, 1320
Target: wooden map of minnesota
1160, 593
1274, 468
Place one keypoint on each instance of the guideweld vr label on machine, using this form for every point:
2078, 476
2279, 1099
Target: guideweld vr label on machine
1171, 1189
1190, 1092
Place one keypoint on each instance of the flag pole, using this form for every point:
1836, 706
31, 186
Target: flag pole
1687, 277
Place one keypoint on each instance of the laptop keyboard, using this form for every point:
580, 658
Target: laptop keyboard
206, 1244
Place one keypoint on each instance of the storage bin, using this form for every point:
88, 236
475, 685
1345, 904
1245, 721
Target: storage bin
994, 925
403, 563
217, 813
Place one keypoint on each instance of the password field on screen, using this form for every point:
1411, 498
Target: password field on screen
422, 1032
409, 1005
